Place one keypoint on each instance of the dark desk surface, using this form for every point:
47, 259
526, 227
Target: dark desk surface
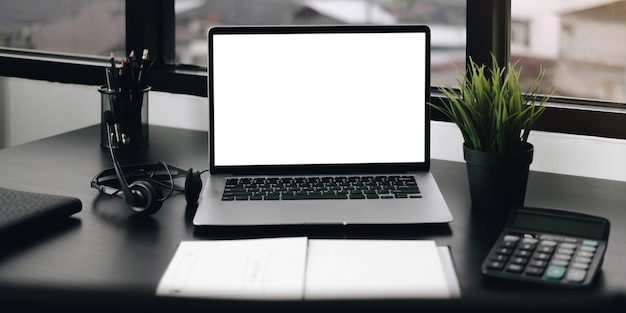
107, 257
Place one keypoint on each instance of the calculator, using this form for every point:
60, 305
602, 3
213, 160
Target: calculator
550, 247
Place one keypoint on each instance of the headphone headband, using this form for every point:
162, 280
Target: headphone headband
157, 171
107, 181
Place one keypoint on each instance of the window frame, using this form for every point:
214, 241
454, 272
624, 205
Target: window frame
151, 23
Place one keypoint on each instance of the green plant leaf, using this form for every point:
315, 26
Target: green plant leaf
489, 107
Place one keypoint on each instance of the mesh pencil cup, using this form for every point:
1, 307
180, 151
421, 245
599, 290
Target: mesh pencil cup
130, 117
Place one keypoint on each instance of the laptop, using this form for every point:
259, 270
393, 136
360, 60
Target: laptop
297, 111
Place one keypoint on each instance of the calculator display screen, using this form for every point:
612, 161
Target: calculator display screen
569, 225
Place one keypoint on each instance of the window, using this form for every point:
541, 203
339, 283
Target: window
87, 27
578, 43
519, 34
445, 18
173, 34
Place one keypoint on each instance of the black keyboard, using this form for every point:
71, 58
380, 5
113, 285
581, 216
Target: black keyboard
322, 187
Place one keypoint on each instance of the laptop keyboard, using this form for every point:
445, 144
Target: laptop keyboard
322, 187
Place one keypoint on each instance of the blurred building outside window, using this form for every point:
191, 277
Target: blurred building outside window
579, 43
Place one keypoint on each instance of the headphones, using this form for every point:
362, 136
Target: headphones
144, 194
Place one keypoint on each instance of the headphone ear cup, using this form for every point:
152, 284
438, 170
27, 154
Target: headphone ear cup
193, 186
147, 196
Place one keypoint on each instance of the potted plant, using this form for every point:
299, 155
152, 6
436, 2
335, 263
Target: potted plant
495, 119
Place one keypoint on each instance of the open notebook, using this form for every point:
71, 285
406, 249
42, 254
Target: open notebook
296, 268
319, 125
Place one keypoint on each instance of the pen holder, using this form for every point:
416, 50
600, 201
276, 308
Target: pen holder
129, 110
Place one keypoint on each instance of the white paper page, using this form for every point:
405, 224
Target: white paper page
450, 271
374, 269
270, 268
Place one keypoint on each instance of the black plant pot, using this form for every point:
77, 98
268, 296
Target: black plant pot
497, 180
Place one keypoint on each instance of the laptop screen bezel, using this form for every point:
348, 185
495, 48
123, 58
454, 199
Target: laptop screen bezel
318, 168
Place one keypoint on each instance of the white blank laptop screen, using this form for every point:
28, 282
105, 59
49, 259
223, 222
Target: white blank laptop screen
337, 98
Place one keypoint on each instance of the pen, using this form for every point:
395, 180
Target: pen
114, 79
111, 86
132, 63
140, 77
108, 76
127, 74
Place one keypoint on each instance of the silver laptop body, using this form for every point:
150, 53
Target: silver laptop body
318, 101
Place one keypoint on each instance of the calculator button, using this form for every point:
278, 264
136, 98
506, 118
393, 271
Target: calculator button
567, 245
508, 244
548, 237
531, 241
546, 249
527, 246
559, 262
581, 266
555, 272
590, 243
538, 263
519, 260
582, 259
500, 258
576, 275
535, 271
496, 265
505, 251
586, 254
515, 268
523, 253
564, 257
565, 251
542, 256
570, 239
511, 238
587, 248
549, 243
